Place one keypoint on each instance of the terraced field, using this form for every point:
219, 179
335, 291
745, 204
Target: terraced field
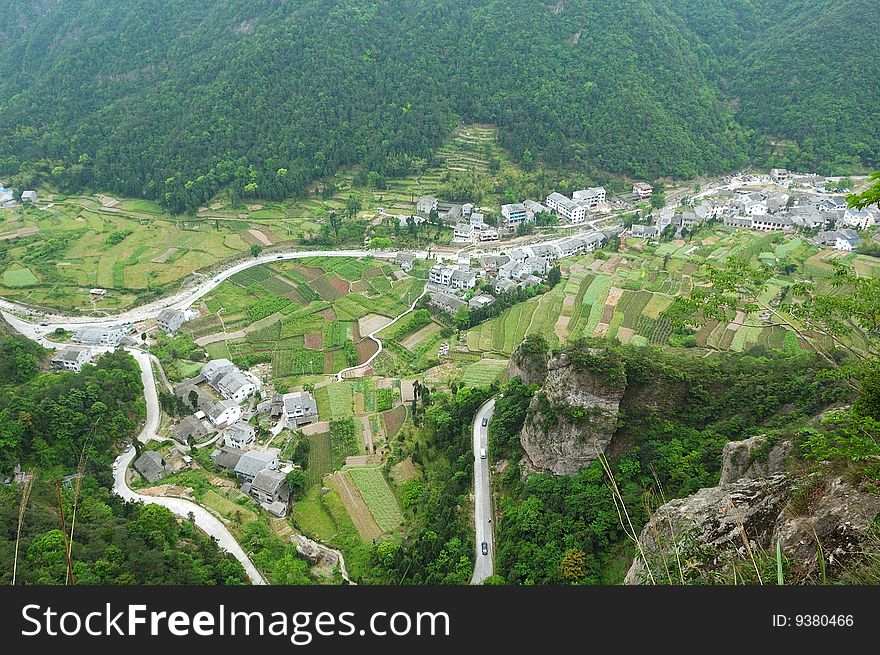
300, 316
626, 296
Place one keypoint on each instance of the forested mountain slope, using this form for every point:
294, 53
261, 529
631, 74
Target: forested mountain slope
803, 71
175, 100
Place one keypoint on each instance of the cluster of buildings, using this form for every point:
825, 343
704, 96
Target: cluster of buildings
470, 227
770, 209
217, 395
452, 285
576, 209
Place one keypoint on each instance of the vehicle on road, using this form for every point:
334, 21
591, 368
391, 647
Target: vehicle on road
44, 324
279, 256
482, 453
485, 548
485, 422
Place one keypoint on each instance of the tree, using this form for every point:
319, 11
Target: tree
462, 318
353, 205
256, 249
574, 564
871, 196
193, 398
296, 481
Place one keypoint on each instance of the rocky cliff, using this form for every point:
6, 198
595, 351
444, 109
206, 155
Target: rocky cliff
757, 502
573, 416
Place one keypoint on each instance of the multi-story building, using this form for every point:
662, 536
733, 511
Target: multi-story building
514, 215
170, 320
72, 358
643, 190
593, 197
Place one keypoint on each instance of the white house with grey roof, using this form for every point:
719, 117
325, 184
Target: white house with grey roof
269, 488
426, 205
170, 320
72, 358
300, 408
252, 462
216, 368
236, 385
239, 435
847, 240
99, 336
226, 412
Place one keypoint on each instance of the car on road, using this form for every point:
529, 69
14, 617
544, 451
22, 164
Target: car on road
279, 256
482, 453
485, 422
485, 548
44, 324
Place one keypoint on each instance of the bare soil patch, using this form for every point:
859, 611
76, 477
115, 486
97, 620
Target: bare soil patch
314, 340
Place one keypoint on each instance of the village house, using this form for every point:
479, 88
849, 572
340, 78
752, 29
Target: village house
226, 459
426, 205
780, 176
644, 232
771, 223
236, 386
441, 274
270, 489
744, 222
99, 336
488, 234
514, 215
170, 320
29, 196
189, 427
643, 190
184, 391
491, 263
847, 240
463, 279
517, 255
463, 233
833, 204
152, 466
216, 368
591, 198
503, 284
226, 412
534, 208
446, 301
71, 358
300, 408
252, 462
480, 301
405, 260
239, 435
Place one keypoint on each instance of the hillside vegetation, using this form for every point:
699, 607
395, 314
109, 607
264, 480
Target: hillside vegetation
177, 100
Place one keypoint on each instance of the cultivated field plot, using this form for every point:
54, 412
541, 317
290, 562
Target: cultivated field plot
394, 420
131, 248
627, 295
300, 315
374, 489
484, 372
319, 458
356, 506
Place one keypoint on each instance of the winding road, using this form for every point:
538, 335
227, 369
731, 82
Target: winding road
184, 508
484, 566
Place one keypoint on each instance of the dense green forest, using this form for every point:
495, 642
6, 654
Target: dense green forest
48, 421
675, 419
177, 100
